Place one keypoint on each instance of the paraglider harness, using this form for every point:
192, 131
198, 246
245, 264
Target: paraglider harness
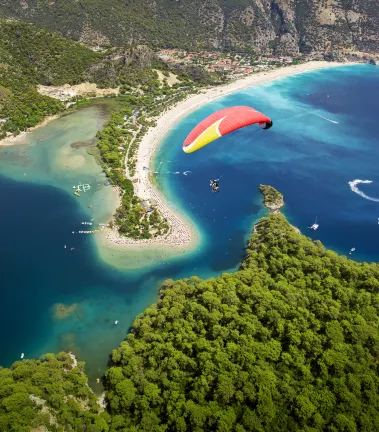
214, 185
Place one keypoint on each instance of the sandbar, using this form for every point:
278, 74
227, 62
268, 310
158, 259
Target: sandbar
184, 236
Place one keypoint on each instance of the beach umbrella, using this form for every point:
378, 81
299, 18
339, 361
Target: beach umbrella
221, 123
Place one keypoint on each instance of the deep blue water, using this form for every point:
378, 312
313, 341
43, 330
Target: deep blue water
308, 158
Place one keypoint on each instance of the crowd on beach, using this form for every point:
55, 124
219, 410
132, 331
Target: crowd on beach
179, 233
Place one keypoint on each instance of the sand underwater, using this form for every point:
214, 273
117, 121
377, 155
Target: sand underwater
324, 136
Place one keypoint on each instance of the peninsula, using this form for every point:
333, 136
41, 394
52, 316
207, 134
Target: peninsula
286, 341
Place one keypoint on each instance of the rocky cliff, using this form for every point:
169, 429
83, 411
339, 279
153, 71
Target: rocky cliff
277, 26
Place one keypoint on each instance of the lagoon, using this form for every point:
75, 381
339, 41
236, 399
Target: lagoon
324, 136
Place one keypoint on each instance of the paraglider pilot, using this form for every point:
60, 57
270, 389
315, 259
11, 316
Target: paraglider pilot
214, 185
221, 123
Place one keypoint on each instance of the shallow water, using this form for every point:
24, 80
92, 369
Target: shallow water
307, 157
40, 216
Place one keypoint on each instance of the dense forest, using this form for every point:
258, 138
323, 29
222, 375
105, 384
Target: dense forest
289, 342
48, 394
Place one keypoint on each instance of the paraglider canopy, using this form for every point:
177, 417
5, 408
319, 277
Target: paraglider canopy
221, 123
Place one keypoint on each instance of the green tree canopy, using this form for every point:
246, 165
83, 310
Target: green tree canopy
288, 343
50, 392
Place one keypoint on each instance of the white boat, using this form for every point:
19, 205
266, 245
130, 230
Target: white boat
314, 226
22, 355
116, 322
351, 250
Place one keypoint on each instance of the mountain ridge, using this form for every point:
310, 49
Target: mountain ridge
278, 26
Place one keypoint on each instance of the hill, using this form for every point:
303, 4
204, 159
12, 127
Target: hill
288, 343
31, 55
50, 394
282, 26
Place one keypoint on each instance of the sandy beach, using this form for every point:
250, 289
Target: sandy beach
183, 234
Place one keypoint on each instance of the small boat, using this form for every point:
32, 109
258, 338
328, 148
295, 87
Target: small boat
351, 250
65, 246
314, 226
22, 355
116, 322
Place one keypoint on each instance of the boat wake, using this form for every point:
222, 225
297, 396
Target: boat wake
186, 172
319, 115
325, 118
353, 186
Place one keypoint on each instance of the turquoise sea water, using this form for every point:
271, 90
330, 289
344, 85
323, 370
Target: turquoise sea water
324, 136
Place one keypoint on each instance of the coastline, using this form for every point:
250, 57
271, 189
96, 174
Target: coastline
19, 139
184, 237
183, 234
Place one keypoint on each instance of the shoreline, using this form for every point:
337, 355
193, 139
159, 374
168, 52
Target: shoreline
18, 139
183, 234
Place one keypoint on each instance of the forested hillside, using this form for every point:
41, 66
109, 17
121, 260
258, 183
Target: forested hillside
31, 55
50, 394
281, 25
288, 343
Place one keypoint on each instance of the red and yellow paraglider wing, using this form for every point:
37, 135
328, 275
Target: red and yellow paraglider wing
221, 123
204, 133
